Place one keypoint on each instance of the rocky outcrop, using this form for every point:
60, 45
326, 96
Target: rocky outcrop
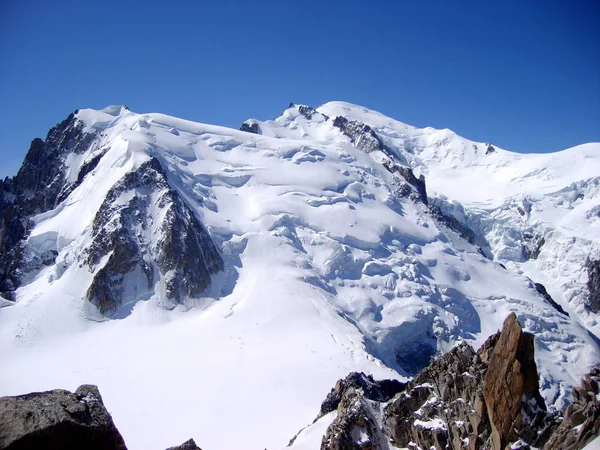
187, 445
418, 184
381, 390
489, 149
541, 289
511, 384
581, 423
533, 245
131, 239
58, 419
593, 285
487, 399
251, 127
361, 135
35, 189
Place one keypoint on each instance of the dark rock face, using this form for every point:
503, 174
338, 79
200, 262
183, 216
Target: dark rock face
58, 420
35, 189
408, 175
463, 400
489, 149
593, 285
187, 445
177, 248
454, 224
533, 245
361, 135
250, 128
380, 391
583, 413
544, 293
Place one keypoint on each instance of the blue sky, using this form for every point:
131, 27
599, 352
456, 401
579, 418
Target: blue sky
522, 75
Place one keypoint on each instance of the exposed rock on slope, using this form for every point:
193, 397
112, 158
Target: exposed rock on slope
58, 419
145, 229
465, 399
34, 190
581, 422
593, 285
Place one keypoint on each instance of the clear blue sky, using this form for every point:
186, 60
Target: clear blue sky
523, 75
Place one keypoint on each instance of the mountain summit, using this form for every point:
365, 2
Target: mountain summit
197, 272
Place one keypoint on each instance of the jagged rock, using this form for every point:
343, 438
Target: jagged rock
443, 405
250, 128
187, 445
355, 427
489, 149
533, 245
462, 400
58, 419
178, 247
581, 422
544, 293
361, 135
593, 285
454, 224
406, 172
380, 391
510, 382
35, 189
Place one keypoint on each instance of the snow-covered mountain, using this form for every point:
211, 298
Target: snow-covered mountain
245, 271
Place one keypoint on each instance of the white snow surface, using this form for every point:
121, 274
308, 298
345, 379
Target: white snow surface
328, 271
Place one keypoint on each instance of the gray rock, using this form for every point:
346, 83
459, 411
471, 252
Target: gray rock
187, 445
250, 128
361, 135
58, 419
581, 422
593, 285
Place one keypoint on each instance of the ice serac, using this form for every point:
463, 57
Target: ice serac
37, 188
144, 233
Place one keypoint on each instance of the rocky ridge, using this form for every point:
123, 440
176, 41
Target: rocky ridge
466, 399
39, 186
172, 246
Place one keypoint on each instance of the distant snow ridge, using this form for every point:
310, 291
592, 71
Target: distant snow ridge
321, 242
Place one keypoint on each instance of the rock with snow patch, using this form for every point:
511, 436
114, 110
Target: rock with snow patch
132, 245
581, 422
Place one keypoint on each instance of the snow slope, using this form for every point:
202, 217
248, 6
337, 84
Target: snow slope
327, 270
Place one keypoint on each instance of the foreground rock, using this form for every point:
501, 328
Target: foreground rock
487, 399
58, 419
581, 423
